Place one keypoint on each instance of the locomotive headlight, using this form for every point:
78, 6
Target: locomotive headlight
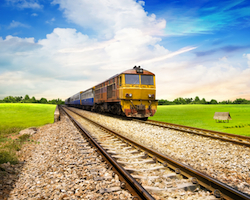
151, 95
140, 70
128, 95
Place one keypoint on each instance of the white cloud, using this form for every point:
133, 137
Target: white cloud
219, 80
224, 58
22, 4
142, 3
34, 14
108, 17
50, 21
15, 24
248, 57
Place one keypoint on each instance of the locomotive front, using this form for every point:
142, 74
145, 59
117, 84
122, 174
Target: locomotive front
137, 93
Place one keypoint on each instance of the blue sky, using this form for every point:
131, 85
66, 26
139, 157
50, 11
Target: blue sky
55, 48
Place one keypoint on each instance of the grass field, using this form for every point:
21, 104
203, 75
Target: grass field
19, 116
15, 117
201, 116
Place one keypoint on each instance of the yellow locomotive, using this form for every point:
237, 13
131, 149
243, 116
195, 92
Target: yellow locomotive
130, 93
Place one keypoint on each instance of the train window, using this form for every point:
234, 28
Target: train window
147, 80
132, 79
120, 80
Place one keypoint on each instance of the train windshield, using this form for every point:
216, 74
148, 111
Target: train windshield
132, 79
147, 80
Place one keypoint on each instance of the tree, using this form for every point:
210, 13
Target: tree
33, 100
196, 100
26, 97
203, 101
160, 102
59, 101
181, 100
177, 101
226, 102
188, 100
241, 101
7, 100
18, 99
213, 101
53, 101
11, 99
43, 100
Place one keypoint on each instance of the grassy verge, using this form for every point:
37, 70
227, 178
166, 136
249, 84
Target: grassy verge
201, 116
15, 117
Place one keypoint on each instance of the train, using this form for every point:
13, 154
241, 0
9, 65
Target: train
130, 93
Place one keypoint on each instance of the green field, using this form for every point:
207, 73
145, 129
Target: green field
20, 116
15, 117
201, 116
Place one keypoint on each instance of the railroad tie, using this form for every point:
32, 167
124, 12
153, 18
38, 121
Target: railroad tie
130, 157
103, 178
127, 152
138, 162
140, 170
112, 189
184, 186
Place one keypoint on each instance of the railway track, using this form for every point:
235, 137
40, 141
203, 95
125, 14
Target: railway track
89, 145
154, 172
236, 139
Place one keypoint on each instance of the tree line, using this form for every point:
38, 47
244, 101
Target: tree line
180, 100
27, 99
197, 100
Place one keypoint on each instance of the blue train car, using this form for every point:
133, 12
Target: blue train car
83, 99
73, 100
87, 97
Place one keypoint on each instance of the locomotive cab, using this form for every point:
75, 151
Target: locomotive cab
137, 93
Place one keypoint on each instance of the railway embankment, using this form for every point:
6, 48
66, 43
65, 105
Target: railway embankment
58, 166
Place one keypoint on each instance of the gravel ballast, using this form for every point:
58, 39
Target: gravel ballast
224, 161
157, 179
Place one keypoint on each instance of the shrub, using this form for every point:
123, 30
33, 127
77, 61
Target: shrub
8, 156
24, 137
13, 145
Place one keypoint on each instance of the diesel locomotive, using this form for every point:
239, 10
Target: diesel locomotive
130, 93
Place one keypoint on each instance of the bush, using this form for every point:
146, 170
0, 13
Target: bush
8, 156
13, 145
24, 137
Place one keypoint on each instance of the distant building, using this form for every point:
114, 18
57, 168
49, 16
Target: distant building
222, 116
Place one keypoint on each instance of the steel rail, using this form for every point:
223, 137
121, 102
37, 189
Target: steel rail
237, 139
219, 189
131, 184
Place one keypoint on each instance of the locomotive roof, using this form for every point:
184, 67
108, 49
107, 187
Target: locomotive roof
130, 71
133, 71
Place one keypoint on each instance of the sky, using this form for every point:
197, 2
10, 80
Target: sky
56, 48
